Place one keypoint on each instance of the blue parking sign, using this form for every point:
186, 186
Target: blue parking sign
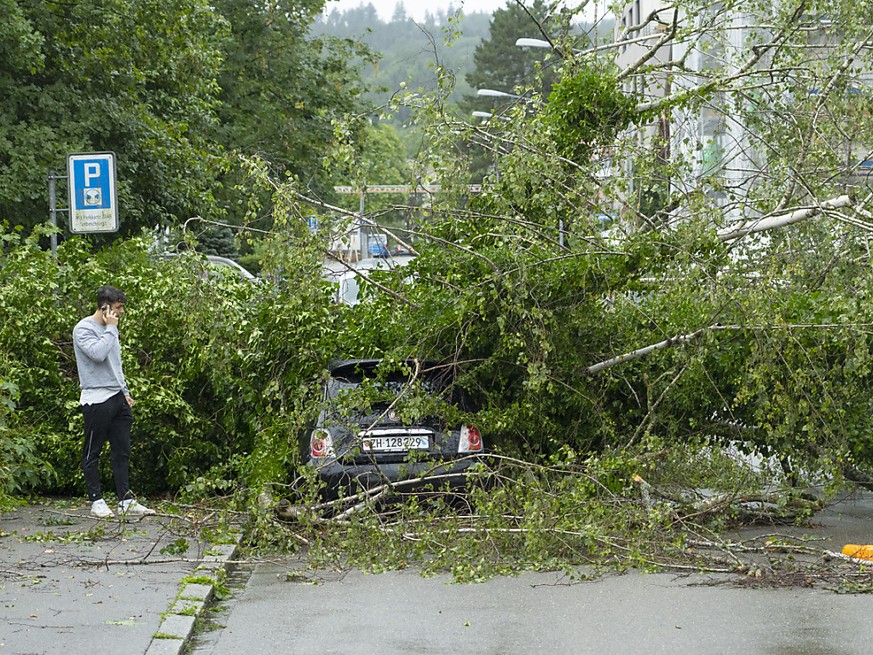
93, 198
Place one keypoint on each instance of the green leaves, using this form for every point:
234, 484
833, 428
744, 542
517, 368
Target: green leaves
170, 87
22, 466
587, 108
219, 366
281, 91
20, 44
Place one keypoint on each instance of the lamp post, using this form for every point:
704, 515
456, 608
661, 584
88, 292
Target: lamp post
493, 93
487, 116
525, 42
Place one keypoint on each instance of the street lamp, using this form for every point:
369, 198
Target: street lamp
487, 116
525, 42
492, 93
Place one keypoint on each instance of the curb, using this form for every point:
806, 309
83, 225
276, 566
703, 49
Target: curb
177, 626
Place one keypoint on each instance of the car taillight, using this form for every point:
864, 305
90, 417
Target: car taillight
471, 440
321, 444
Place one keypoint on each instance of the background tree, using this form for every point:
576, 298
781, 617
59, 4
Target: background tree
499, 63
137, 78
502, 66
171, 92
382, 161
409, 52
281, 90
217, 241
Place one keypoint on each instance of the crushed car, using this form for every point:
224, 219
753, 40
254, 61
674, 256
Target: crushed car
384, 429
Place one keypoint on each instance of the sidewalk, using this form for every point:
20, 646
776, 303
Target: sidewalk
71, 583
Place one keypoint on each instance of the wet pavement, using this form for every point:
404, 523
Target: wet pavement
284, 606
70, 583
401, 613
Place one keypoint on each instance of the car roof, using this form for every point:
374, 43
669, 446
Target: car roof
346, 366
225, 261
220, 261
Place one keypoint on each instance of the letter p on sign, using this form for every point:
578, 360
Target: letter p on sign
92, 172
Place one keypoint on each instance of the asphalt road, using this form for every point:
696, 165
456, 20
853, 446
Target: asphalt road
402, 613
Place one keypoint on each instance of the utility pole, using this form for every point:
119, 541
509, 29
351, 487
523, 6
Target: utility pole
362, 192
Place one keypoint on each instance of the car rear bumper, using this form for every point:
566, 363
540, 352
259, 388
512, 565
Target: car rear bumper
406, 477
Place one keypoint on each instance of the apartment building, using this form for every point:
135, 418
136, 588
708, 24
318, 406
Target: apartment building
713, 144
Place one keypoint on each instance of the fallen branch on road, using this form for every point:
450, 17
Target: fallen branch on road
585, 518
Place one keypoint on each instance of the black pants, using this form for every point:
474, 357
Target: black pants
108, 421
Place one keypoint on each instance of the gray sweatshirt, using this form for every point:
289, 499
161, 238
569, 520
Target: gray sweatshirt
98, 358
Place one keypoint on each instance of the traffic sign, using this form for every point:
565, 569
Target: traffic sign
93, 198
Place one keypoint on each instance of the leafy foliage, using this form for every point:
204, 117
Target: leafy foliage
219, 366
171, 88
281, 91
580, 516
587, 108
595, 308
573, 258
499, 63
21, 467
409, 53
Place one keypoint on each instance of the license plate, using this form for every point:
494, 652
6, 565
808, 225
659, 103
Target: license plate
395, 444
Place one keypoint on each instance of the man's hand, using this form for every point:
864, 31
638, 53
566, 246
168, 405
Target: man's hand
110, 317
130, 400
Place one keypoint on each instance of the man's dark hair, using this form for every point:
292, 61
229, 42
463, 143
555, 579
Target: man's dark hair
107, 295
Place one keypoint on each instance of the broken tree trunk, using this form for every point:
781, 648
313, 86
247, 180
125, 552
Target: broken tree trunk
772, 222
642, 352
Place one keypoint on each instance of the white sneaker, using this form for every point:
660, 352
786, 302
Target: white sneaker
133, 508
101, 510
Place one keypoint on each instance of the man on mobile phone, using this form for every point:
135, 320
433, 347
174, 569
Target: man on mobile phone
106, 402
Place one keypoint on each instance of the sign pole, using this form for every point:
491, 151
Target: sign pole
53, 214
53, 210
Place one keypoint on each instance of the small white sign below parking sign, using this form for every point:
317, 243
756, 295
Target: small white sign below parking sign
93, 199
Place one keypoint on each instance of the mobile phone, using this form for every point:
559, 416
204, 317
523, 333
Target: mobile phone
105, 310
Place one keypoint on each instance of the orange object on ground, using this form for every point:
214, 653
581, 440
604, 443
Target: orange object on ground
858, 552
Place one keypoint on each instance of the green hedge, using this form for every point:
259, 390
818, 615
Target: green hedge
218, 365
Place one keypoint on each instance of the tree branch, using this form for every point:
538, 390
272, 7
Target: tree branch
773, 222
758, 52
642, 352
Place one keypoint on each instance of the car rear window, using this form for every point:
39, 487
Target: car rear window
393, 385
